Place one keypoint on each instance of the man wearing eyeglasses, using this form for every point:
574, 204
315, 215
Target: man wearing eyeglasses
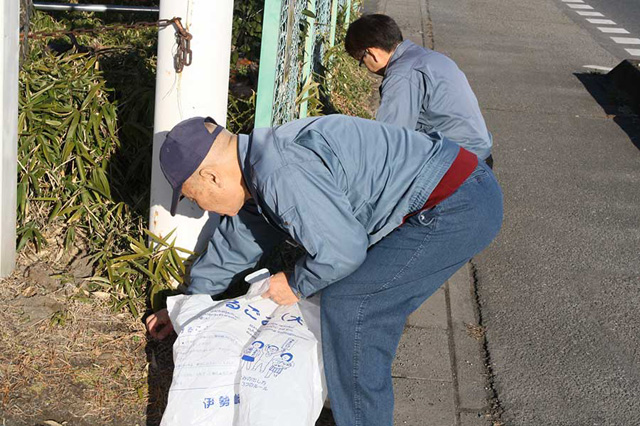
421, 89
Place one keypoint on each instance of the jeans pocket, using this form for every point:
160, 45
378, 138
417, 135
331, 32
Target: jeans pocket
427, 218
481, 172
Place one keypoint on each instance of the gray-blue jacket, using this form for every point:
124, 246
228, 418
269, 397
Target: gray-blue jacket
334, 184
426, 91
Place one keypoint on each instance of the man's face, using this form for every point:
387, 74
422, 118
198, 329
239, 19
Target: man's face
374, 59
214, 193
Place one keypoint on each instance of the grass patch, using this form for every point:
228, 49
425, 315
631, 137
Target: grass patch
347, 87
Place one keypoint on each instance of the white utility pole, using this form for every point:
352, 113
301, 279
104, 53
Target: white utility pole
10, 21
201, 89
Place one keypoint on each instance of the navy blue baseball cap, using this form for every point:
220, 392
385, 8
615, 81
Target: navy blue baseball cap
182, 152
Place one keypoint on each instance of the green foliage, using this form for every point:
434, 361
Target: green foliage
67, 132
29, 232
245, 55
346, 86
311, 93
247, 29
241, 113
153, 261
340, 86
85, 143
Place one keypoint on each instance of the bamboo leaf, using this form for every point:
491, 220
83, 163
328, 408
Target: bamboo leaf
90, 96
310, 14
129, 257
70, 141
162, 263
55, 211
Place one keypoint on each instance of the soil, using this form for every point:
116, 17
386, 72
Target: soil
65, 357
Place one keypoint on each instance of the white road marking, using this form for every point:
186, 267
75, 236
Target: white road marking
572, 1
601, 21
610, 30
581, 13
598, 68
626, 40
579, 6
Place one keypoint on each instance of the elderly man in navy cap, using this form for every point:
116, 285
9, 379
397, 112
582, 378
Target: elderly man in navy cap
385, 215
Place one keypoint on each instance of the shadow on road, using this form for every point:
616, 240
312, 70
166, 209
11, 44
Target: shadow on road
614, 103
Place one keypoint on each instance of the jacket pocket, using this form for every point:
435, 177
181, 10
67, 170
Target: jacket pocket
291, 221
363, 213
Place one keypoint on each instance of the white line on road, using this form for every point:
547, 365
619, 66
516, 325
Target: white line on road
601, 21
572, 1
579, 6
598, 68
581, 13
610, 30
634, 52
626, 40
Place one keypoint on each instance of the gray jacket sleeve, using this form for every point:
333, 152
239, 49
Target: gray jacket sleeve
401, 101
318, 215
236, 245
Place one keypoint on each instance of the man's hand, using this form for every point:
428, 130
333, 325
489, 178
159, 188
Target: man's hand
159, 325
279, 290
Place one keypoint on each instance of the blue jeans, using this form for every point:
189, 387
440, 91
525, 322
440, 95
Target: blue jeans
363, 315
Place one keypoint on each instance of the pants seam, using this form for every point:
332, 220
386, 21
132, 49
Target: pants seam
356, 360
412, 259
357, 403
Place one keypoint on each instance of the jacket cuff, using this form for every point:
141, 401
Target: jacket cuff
299, 287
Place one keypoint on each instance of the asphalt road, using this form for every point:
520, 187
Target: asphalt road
615, 24
559, 289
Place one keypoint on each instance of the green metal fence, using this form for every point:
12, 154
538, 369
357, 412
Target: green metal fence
295, 38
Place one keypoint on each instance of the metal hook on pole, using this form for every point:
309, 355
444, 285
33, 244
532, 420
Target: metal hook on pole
184, 55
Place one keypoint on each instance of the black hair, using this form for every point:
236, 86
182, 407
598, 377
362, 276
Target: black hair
374, 30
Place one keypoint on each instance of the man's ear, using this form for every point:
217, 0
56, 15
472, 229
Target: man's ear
372, 53
210, 175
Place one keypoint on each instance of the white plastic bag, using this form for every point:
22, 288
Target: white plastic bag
245, 361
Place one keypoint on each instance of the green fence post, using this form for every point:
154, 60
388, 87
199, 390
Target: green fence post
347, 14
268, 54
334, 20
308, 57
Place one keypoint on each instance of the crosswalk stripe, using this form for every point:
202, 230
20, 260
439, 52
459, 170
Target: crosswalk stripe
583, 13
626, 40
601, 21
610, 30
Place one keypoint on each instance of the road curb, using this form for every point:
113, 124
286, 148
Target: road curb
626, 77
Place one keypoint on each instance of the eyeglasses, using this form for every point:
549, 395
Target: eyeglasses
362, 58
